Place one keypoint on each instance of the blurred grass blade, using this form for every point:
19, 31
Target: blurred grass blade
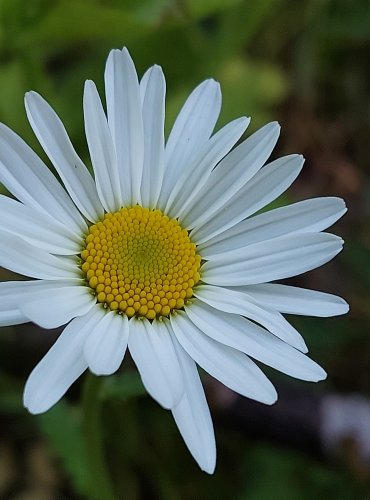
62, 427
122, 386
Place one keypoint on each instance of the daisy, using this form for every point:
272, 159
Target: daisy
159, 251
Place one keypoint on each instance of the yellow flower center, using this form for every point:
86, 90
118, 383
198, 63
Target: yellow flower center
140, 262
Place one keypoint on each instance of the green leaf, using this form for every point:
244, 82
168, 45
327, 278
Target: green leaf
122, 386
69, 22
12, 85
250, 88
151, 11
204, 8
239, 25
290, 474
62, 426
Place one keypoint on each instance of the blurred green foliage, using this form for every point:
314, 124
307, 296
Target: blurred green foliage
272, 58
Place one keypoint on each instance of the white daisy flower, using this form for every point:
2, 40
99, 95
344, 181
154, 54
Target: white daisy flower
160, 251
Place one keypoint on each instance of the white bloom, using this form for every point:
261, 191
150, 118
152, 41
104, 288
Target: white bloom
158, 251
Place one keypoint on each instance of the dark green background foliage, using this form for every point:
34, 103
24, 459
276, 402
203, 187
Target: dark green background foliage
302, 62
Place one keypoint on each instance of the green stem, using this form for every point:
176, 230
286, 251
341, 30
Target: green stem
101, 485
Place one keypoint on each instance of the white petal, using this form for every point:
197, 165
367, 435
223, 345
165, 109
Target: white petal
192, 414
239, 333
231, 174
38, 228
294, 300
153, 352
269, 183
231, 301
102, 152
279, 258
228, 365
106, 344
56, 304
305, 216
153, 91
194, 176
29, 179
54, 139
13, 293
23, 258
193, 127
125, 122
12, 317
60, 367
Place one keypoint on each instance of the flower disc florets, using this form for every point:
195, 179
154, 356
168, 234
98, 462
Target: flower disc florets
140, 262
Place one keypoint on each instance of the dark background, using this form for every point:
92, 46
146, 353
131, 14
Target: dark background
303, 62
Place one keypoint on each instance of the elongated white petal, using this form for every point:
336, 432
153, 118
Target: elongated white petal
305, 216
282, 257
102, 152
153, 91
294, 300
269, 183
12, 317
228, 365
231, 301
21, 257
193, 127
13, 293
60, 367
106, 344
237, 332
56, 304
37, 228
231, 174
194, 176
125, 122
29, 179
192, 414
54, 139
153, 352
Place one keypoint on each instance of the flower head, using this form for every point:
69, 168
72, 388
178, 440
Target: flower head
159, 250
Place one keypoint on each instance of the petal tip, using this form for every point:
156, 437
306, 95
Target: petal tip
31, 97
31, 404
126, 55
320, 374
345, 307
209, 468
89, 83
210, 83
28, 94
33, 410
157, 68
271, 399
276, 125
